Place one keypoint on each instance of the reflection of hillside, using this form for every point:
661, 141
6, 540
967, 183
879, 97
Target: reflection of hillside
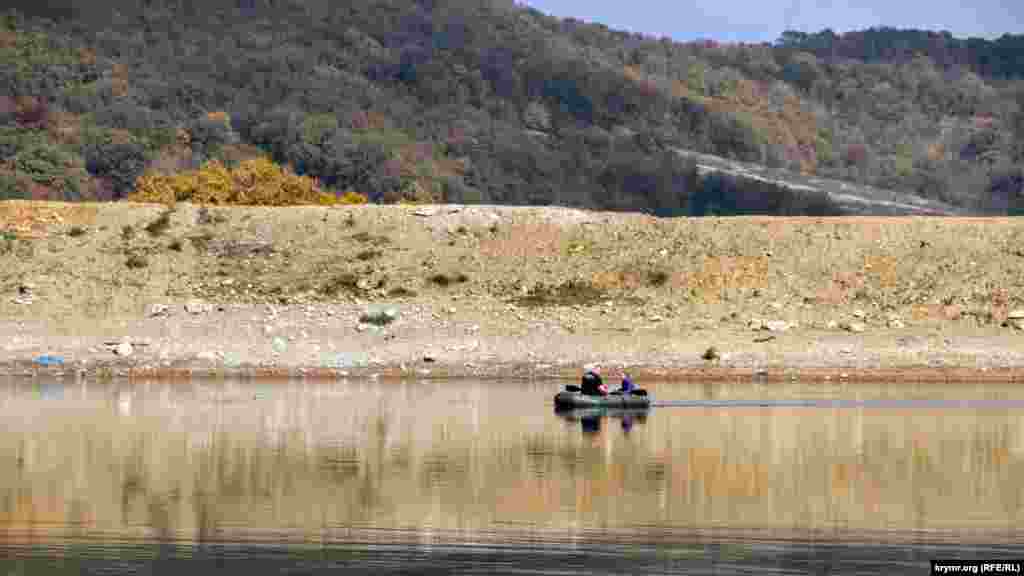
187, 460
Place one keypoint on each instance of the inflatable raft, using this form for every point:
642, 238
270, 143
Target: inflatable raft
577, 414
574, 399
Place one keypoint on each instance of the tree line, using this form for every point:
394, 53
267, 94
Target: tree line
489, 102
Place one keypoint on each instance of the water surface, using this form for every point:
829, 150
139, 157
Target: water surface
485, 477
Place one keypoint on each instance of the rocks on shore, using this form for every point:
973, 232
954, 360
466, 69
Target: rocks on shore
278, 345
198, 307
895, 322
855, 327
379, 315
25, 294
757, 324
1015, 319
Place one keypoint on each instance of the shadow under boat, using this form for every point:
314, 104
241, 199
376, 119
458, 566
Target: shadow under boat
591, 419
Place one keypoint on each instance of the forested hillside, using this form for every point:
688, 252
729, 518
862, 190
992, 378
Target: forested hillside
488, 101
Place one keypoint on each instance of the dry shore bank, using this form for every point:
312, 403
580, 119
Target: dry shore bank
485, 291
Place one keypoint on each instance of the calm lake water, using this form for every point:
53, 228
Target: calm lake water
484, 477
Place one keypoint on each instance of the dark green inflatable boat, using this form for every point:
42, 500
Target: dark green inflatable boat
576, 399
577, 414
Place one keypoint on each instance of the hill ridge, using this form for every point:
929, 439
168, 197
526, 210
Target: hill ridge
443, 101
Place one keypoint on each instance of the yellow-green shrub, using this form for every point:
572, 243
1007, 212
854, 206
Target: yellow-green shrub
258, 182
352, 197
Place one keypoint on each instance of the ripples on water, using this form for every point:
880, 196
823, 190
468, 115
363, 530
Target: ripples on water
475, 477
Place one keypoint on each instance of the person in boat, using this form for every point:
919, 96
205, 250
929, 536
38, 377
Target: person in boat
591, 424
627, 387
592, 385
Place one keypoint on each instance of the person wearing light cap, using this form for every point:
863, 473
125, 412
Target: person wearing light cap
627, 385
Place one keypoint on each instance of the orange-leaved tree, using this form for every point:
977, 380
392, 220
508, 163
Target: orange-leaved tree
257, 182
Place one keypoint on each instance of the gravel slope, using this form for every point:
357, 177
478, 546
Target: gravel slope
500, 291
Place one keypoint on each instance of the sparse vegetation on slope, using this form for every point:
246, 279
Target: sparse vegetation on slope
917, 269
489, 102
253, 182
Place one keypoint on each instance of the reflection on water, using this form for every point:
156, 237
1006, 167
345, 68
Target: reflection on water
591, 419
212, 461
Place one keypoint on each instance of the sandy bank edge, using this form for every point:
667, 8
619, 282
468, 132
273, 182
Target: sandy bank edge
516, 370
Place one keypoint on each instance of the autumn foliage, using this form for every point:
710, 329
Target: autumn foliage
258, 182
492, 103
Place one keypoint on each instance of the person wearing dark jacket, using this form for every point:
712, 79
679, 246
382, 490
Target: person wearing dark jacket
592, 385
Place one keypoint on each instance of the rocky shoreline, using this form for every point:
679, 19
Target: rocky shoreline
204, 340
518, 372
125, 290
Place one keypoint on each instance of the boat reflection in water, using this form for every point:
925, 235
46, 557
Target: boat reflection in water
590, 419
464, 476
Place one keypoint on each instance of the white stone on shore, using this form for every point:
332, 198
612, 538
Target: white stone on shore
198, 307
279, 345
856, 327
124, 349
757, 325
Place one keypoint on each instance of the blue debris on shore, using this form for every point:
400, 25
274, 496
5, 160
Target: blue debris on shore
48, 360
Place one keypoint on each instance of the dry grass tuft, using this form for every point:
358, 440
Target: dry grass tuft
444, 280
346, 282
571, 293
136, 261
366, 255
202, 241
161, 224
401, 292
371, 239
